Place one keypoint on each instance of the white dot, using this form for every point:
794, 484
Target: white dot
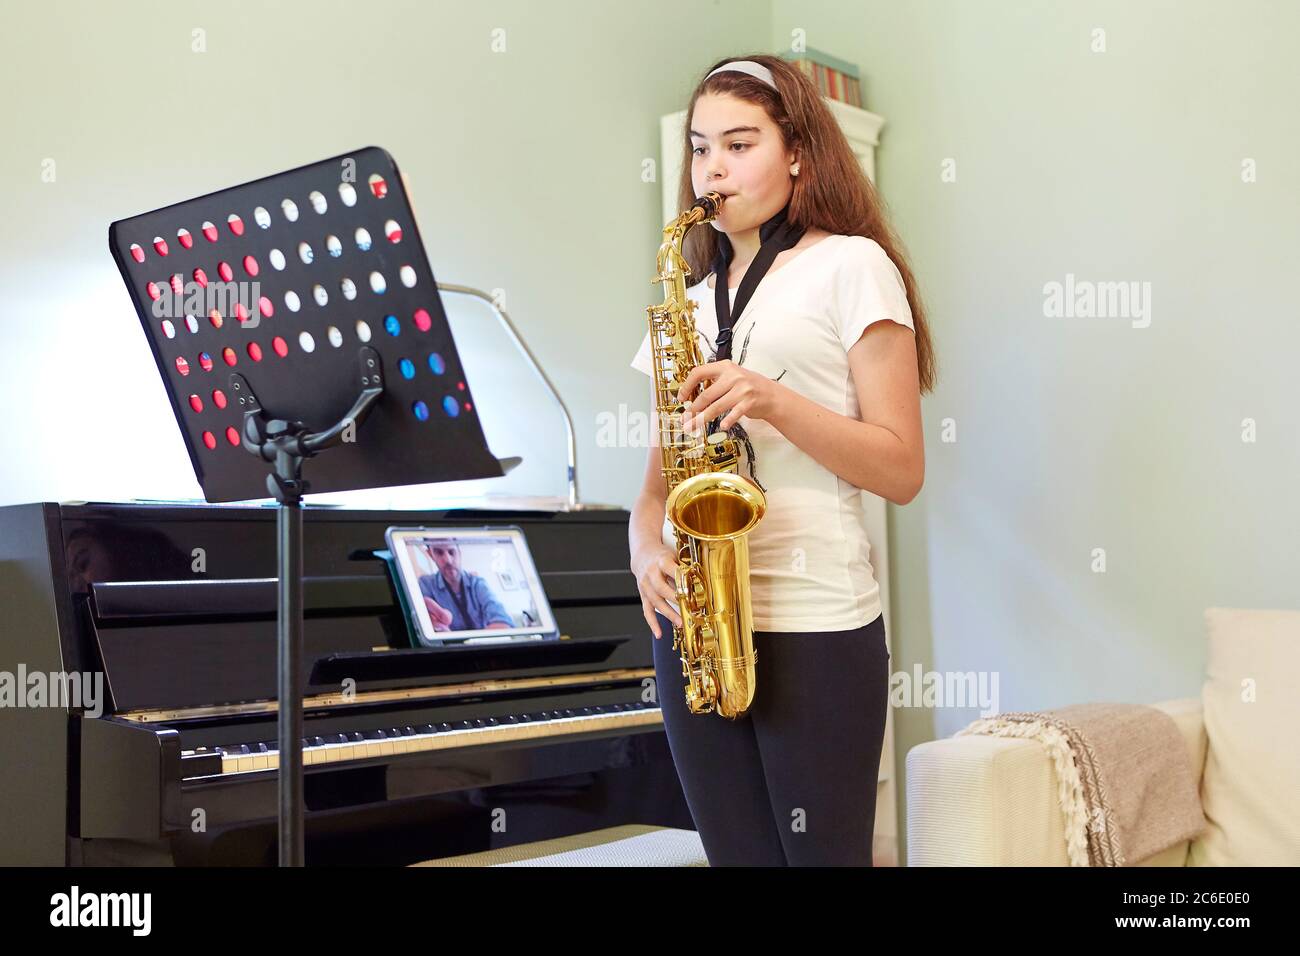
319, 294
408, 276
305, 253
292, 301
262, 217
277, 259
363, 331
307, 342
334, 246
347, 194
318, 201
377, 283
363, 239
335, 336
191, 323
290, 210
169, 330
349, 288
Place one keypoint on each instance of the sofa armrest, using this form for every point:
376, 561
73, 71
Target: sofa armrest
992, 801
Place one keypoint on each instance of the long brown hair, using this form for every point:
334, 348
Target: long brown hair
831, 192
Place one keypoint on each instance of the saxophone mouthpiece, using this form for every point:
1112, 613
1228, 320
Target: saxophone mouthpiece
711, 203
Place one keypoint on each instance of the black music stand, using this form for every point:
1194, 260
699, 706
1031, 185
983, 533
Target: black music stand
314, 284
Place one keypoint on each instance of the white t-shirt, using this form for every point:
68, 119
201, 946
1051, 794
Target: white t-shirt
809, 554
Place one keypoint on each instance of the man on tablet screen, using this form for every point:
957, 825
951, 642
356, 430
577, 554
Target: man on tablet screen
459, 600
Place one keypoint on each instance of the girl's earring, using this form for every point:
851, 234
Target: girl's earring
794, 170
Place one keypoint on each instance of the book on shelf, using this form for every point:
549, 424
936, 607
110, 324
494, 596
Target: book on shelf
834, 78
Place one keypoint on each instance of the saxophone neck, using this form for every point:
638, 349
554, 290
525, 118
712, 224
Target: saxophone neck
671, 263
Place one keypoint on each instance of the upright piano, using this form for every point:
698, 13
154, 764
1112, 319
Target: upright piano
409, 753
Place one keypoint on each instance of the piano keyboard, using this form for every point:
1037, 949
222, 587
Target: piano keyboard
391, 742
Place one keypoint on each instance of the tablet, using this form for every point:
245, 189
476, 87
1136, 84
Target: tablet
470, 585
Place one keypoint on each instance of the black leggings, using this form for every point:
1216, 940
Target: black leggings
793, 781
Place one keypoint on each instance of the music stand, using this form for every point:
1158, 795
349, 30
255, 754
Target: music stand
311, 291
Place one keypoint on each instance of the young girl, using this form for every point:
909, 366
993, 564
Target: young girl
828, 356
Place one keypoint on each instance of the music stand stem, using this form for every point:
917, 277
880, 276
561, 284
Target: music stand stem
288, 443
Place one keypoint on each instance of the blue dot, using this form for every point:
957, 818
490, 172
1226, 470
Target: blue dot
436, 364
421, 411
407, 367
391, 325
451, 406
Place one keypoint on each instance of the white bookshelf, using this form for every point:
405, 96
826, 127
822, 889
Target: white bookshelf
862, 129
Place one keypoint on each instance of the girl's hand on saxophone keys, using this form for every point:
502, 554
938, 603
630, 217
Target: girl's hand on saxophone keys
655, 567
734, 391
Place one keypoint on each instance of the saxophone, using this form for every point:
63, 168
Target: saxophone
711, 507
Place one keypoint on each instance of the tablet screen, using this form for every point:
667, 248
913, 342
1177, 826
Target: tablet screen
471, 585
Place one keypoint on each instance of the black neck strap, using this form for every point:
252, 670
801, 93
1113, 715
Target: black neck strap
775, 236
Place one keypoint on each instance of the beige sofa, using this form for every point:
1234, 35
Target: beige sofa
992, 801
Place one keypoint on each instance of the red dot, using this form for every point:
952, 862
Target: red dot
153, 290
378, 186
136, 252
255, 351
281, 346
241, 313
215, 318
227, 273
218, 398
186, 239
422, 320
236, 224
232, 436
201, 278
461, 386
469, 407
250, 265
160, 245
228, 355
209, 232
205, 361
182, 366
196, 403
265, 307
210, 439
178, 284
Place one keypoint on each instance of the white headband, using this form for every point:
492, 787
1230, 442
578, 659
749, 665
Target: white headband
756, 70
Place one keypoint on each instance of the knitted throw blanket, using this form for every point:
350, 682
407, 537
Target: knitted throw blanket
1125, 780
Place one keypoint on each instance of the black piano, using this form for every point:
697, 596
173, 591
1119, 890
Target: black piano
409, 753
